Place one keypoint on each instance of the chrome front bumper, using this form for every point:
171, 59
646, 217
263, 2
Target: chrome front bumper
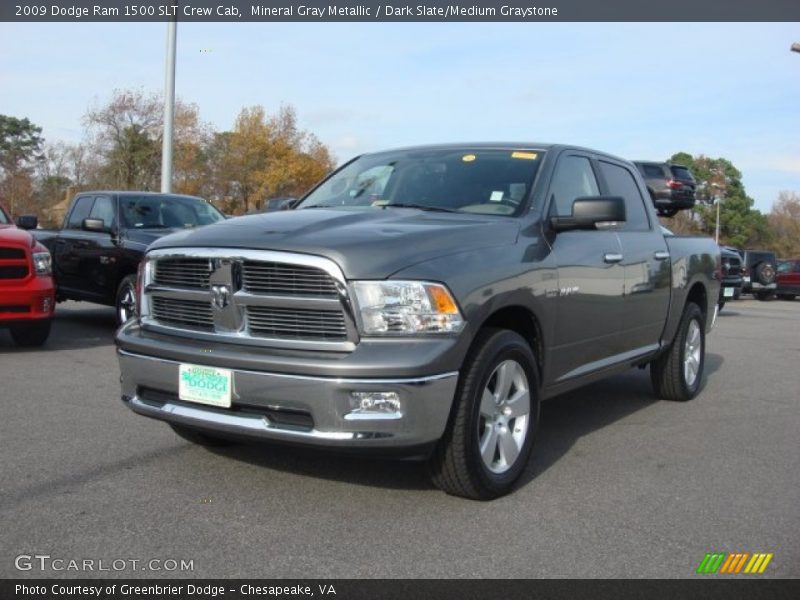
150, 388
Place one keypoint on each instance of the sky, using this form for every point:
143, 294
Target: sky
637, 90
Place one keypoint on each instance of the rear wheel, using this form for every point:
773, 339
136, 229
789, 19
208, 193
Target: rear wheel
763, 296
199, 437
786, 296
30, 333
491, 432
126, 299
678, 373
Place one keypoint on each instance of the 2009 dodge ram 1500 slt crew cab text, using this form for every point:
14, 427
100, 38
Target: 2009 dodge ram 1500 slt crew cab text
423, 300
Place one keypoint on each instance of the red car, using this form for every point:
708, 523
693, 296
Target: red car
788, 278
27, 292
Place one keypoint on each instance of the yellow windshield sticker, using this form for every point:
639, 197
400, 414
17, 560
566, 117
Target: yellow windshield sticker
525, 155
468, 157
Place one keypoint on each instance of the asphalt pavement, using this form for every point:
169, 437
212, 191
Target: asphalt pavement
620, 485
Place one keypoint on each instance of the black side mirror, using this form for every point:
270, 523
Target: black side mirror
588, 211
98, 225
27, 222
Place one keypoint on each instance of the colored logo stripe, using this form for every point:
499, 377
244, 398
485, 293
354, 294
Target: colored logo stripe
734, 562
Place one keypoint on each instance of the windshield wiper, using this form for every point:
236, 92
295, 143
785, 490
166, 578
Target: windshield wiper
420, 207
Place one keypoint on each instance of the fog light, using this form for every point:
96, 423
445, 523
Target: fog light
47, 304
374, 405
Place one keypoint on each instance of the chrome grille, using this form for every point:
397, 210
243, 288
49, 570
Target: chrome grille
183, 272
296, 323
286, 280
255, 297
185, 313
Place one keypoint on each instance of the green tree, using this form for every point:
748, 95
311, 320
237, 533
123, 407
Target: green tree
741, 225
20, 149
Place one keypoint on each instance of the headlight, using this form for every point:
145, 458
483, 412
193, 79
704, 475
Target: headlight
406, 307
42, 263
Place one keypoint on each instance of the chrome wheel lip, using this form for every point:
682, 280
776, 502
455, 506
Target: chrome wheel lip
127, 305
504, 417
692, 349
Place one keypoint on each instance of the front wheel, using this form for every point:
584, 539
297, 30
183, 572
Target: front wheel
678, 373
126, 299
493, 424
763, 296
31, 333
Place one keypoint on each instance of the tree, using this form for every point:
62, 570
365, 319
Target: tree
20, 148
784, 220
718, 179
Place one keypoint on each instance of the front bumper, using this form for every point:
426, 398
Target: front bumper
30, 299
294, 408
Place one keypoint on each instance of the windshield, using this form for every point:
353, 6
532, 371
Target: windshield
161, 212
494, 182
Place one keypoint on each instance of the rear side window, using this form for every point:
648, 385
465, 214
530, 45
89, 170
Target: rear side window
80, 211
621, 182
574, 178
653, 171
681, 173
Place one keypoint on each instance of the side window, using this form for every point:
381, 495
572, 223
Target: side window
797, 267
653, 171
621, 182
103, 209
80, 211
573, 178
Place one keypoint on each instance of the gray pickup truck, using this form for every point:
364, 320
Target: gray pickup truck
421, 301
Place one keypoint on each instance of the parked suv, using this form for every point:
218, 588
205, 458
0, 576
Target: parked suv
671, 186
732, 280
27, 294
788, 279
759, 273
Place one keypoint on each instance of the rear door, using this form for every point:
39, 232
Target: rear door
645, 261
590, 279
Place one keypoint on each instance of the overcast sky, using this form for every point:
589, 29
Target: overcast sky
635, 90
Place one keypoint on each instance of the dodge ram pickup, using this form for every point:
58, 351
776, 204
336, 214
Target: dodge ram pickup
27, 292
104, 236
421, 301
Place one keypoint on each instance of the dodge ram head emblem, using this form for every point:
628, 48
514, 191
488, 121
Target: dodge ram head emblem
221, 295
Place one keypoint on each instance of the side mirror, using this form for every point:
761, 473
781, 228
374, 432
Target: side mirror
98, 225
588, 211
27, 222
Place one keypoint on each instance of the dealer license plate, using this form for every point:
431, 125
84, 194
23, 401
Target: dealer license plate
728, 293
205, 385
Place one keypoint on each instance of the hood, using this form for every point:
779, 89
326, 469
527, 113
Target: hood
145, 237
366, 243
11, 236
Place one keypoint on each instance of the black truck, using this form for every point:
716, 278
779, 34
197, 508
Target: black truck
104, 236
421, 301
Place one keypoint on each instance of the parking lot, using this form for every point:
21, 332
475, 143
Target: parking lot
620, 485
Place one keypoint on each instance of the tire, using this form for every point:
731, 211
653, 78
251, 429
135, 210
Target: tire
722, 305
31, 333
786, 296
481, 414
764, 273
669, 373
763, 296
737, 294
199, 437
125, 302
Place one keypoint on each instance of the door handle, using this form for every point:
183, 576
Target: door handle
661, 255
612, 257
